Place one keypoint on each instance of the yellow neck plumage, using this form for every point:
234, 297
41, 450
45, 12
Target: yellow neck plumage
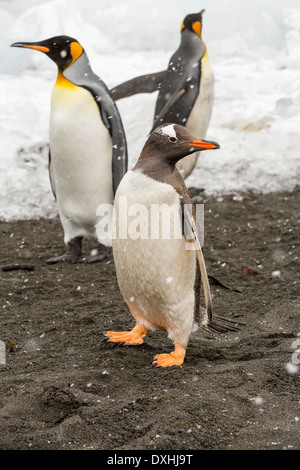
62, 81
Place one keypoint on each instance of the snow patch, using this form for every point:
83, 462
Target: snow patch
255, 58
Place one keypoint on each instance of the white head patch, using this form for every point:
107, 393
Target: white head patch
169, 131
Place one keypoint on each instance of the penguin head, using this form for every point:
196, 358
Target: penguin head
171, 142
193, 23
63, 50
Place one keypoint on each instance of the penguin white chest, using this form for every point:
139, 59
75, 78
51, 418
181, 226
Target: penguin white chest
81, 158
155, 271
200, 115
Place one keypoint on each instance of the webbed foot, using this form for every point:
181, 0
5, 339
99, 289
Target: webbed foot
175, 358
97, 255
129, 338
73, 252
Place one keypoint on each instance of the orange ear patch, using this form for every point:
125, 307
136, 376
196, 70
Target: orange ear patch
197, 28
76, 50
182, 26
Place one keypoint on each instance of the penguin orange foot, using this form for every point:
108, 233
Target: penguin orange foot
175, 358
129, 338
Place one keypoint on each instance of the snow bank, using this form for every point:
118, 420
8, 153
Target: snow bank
254, 47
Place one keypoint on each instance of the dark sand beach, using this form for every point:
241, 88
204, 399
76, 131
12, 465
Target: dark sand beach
64, 387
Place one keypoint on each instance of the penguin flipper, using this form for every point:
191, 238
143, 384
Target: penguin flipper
51, 177
193, 235
112, 119
179, 92
142, 84
82, 75
205, 318
119, 147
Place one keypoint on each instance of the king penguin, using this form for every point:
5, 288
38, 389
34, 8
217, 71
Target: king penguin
88, 150
159, 275
186, 88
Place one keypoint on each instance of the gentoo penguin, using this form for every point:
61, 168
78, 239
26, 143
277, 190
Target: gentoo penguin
88, 151
159, 275
186, 88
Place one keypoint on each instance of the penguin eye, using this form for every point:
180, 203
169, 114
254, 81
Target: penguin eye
173, 139
55, 46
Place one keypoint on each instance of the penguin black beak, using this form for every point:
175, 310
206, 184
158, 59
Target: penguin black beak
31, 45
205, 144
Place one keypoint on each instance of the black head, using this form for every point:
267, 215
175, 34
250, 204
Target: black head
63, 50
168, 143
193, 23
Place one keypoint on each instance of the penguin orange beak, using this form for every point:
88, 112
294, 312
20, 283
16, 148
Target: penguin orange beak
31, 46
204, 144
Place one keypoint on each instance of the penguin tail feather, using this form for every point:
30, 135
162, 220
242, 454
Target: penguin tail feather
222, 325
